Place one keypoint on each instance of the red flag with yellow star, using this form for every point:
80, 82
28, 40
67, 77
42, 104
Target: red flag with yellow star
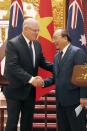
45, 18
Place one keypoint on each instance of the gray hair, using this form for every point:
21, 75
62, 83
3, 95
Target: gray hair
29, 21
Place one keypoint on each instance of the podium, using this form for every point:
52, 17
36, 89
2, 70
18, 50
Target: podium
79, 76
3, 80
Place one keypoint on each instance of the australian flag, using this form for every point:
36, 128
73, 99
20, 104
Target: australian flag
16, 19
75, 24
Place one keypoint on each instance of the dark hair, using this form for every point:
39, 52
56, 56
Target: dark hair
64, 33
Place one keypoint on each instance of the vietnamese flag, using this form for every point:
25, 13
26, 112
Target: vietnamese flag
45, 18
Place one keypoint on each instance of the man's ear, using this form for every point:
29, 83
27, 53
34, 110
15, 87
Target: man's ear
65, 38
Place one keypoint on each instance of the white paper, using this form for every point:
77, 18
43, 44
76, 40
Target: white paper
78, 110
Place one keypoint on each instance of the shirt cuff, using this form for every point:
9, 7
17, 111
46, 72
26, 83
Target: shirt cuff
30, 81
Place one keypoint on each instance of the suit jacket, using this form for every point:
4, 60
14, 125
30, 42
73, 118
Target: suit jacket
67, 93
19, 68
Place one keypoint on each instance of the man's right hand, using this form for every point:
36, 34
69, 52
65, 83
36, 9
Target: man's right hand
37, 81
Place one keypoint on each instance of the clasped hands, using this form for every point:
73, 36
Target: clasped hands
83, 102
37, 81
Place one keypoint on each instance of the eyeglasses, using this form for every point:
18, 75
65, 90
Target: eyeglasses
34, 30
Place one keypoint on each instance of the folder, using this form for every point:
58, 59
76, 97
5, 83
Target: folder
79, 75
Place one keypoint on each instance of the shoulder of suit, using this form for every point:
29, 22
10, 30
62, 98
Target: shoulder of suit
36, 41
75, 48
14, 40
55, 55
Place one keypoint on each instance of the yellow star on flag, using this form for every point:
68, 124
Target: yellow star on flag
44, 22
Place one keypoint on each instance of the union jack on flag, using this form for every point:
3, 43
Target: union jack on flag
15, 23
16, 18
75, 24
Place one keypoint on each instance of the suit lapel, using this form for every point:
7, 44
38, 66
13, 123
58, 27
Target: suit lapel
63, 61
67, 53
57, 64
24, 43
26, 48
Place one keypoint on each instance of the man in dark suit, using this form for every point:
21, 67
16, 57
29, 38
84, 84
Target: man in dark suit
71, 115
23, 57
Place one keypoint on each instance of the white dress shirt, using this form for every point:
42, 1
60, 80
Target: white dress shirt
64, 50
27, 41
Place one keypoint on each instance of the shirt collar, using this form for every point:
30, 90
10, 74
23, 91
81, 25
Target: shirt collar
65, 49
27, 40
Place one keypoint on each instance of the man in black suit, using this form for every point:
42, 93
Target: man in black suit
23, 57
71, 115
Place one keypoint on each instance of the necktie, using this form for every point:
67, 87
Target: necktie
30, 49
60, 57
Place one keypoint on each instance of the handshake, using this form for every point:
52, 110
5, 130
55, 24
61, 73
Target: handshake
37, 81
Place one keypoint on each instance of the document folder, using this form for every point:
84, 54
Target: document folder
79, 76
